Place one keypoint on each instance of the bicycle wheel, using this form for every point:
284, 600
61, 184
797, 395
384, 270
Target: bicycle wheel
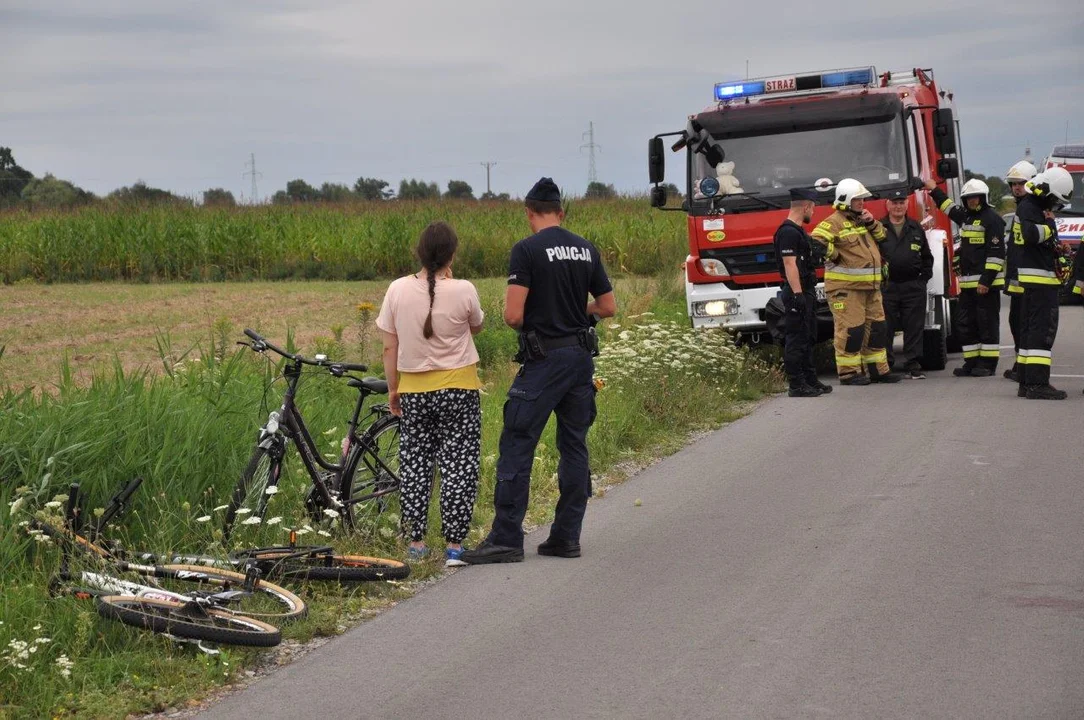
335, 568
249, 497
166, 616
370, 482
268, 601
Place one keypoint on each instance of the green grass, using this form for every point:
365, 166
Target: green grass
358, 241
188, 426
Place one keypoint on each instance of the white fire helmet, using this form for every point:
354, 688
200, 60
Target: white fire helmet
1020, 172
975, 187
1055, 181
849, 189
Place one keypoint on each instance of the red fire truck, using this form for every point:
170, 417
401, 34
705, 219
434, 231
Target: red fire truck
762, 137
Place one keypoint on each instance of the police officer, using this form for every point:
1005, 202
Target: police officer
1017, 178
909, 265
794, 255
550, 276
852, 282
1035, 235
982, 269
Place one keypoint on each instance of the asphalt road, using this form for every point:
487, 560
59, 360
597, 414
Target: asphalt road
907, 551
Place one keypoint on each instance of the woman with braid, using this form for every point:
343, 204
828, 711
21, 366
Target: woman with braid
427, 322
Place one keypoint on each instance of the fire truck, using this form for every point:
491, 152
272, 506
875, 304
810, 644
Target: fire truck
762, 137
1070, 219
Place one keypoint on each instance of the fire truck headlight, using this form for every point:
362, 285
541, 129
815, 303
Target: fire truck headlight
715, 308
711, 266
709, 187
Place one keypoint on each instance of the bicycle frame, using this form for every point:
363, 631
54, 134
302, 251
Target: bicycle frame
288, 422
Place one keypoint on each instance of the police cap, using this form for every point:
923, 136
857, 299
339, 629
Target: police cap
897, 194
545, 190
799, 194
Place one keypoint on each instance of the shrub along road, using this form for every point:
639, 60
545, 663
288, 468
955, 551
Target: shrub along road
893, 551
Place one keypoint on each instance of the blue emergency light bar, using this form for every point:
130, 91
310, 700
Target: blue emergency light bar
796, 83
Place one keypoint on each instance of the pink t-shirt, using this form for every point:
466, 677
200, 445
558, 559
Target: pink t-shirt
456, 308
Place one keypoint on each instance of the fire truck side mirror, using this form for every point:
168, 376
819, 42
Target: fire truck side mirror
656, 161
948, 168
944, 131
658, 196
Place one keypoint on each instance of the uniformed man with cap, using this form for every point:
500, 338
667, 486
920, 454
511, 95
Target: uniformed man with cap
908, 265
794, 255
551, 275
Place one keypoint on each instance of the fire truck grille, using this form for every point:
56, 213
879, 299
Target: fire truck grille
747, 260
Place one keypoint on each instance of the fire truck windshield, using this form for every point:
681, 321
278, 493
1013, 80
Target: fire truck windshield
769, 165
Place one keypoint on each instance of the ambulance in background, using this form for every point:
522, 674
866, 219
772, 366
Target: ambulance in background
1071, 219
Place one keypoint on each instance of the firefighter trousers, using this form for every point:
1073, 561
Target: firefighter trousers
860, 332
979, 327
1038, 329
905, 309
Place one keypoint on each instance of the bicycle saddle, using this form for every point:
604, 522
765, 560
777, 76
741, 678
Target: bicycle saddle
370, 385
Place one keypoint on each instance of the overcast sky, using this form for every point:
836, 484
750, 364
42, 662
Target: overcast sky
179, 94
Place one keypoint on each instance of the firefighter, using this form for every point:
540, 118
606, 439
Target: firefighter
982, 269
852, 282
794, 255
1017, 178
909, 266
1035, 235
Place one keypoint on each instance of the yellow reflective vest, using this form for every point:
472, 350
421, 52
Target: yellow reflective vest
852, 260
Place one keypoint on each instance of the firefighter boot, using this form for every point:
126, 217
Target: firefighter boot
1012, 373
964, 371
856, 379
1045, 392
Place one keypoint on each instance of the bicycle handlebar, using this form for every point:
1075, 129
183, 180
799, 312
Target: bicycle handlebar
261, 343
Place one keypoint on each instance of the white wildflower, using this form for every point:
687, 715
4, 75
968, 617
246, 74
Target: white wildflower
16, 505
332, 431
220, 507
203, 518
331, 513
323, 533
271, 490
274, 521
64, 665
243, 511
254, 520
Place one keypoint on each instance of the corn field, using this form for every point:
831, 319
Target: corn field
358, 241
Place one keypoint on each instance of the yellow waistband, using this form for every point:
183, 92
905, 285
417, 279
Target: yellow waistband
464, 378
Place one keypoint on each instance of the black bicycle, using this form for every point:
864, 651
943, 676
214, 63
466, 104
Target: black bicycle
367, 472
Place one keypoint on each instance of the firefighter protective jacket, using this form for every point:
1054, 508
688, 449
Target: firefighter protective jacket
1034, 236
852, 260
908, 255
982, 242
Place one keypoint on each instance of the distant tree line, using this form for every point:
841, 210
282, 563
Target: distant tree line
375, 189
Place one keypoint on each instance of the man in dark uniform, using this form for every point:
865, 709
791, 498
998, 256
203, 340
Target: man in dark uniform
909, 265
794, 255
550, 276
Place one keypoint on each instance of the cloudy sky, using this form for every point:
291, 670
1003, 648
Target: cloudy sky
179, 94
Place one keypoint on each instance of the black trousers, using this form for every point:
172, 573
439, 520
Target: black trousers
905, 309
980, 327
799, 331
1038, 329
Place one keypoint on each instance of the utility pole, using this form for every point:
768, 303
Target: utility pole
255, 197
592, 175
487, 165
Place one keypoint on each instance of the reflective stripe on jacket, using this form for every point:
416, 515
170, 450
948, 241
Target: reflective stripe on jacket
852, 260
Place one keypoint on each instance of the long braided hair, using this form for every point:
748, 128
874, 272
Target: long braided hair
436, 246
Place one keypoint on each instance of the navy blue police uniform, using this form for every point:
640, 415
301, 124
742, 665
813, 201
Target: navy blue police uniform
909, 263
800, 320
557, 345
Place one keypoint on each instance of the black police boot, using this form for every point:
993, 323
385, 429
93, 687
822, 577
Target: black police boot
559, 548
1045, 392
817, 384
856, 379
913, 371
488, 552
804, 390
